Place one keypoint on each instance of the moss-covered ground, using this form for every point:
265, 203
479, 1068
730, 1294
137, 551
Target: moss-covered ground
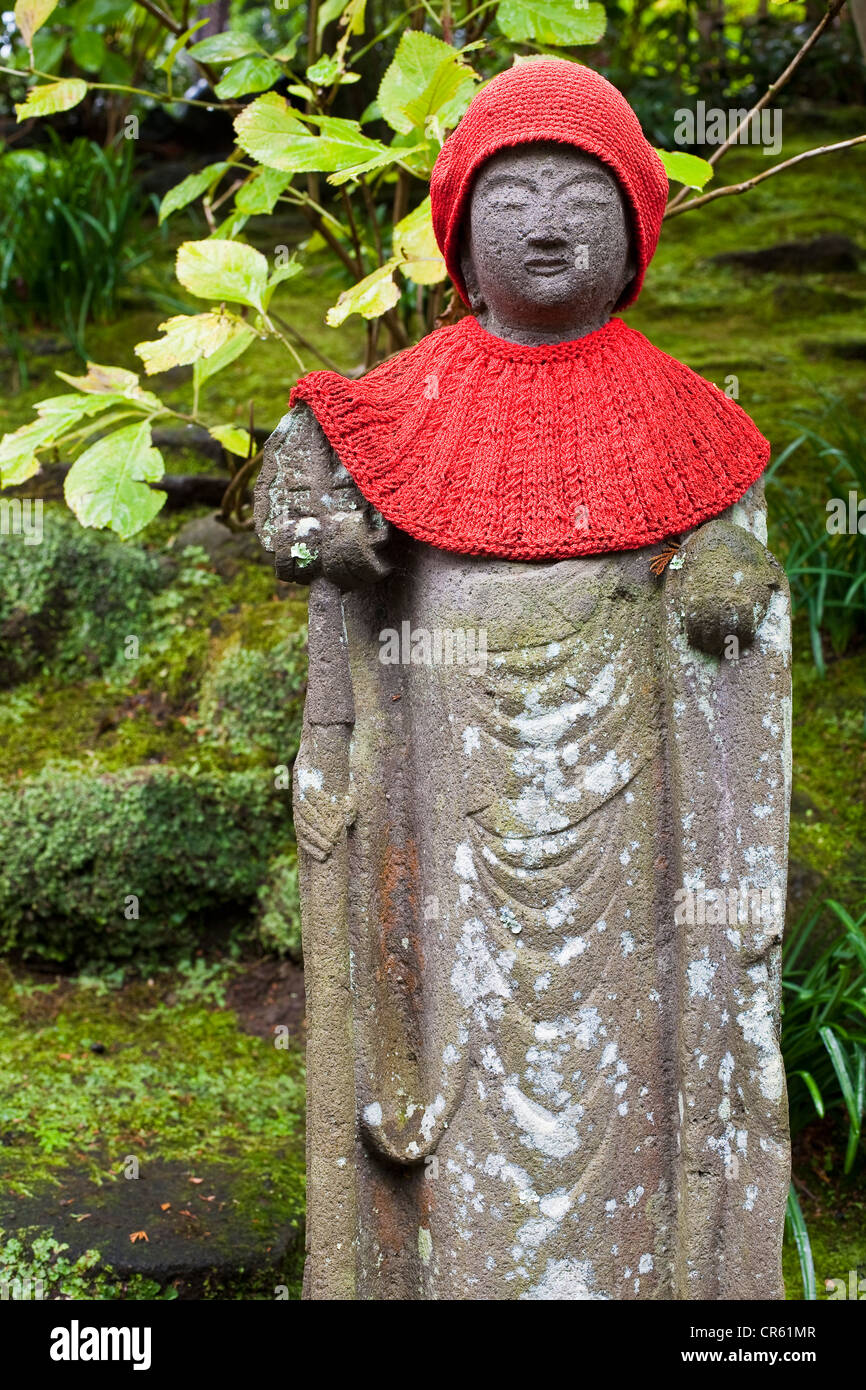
97, 1070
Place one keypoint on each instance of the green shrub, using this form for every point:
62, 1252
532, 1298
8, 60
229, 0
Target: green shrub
278, 925
254, 699
180, 849
69, 602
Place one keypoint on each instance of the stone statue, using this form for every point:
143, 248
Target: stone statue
542, 794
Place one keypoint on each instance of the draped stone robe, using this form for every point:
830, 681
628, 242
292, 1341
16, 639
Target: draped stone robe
543, 988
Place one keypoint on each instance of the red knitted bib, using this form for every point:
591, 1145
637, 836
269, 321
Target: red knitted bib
486, 447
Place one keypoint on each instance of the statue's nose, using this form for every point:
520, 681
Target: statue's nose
546, 236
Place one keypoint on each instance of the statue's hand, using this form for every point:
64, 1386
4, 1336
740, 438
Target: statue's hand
310, 513
725, 583
347, 547
320, 816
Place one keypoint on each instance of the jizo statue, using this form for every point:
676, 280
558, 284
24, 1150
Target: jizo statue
542, 793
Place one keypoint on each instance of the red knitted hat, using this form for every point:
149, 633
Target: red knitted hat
549, 99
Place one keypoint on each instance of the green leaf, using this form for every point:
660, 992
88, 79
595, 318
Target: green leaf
223, 270
554, 22
30, 15
286, 271
18, 460
50, 97
269, 130
238, 343
817, 1098
107, 485
424, 75
190, 188
325, 72
840, 1067
170, 58
224, 48
371, 297
249, 75
686, 168
286, 54
415, 245
799, 1231
187, 337
261, 193
88, 49
236, 440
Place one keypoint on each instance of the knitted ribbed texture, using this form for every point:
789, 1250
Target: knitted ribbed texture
486, 447
554, 100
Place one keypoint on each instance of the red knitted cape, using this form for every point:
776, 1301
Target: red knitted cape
486, 447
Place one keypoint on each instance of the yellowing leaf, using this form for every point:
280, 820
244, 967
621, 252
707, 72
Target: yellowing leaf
51, 97
30, 15
371, 297
415, 245
237, 441
107, 485
187, 337
206, 367
223, 270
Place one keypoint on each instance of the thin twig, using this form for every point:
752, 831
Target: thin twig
759, 178
305, 342
771, 91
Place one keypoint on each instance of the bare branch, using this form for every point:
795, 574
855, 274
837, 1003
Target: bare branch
759, 178
771, 91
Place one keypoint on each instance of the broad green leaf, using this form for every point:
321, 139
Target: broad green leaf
415, 245
206, 367
30, 15
378, 161
248, 75
371, 297
261, 193
18, 460
223, 270
190, 188
88, 49
224, 48
451, 80
236, 440
686, 168
286, 271
187, 337
286, 54
328, 12
268, 129
324, 72
50, 97
551, 21
107, 485
422, 67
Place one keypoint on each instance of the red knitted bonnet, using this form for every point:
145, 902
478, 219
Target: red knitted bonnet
549, 99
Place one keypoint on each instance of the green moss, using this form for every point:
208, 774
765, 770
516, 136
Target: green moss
171, 1083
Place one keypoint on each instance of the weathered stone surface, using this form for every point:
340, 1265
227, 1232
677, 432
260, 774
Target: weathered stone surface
543, 1007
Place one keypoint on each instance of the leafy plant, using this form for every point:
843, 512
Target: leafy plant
71, 232
824, 1021
827, 566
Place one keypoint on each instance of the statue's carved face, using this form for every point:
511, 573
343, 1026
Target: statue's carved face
547, 250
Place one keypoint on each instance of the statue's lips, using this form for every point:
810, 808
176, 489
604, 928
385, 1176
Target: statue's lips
546, 265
